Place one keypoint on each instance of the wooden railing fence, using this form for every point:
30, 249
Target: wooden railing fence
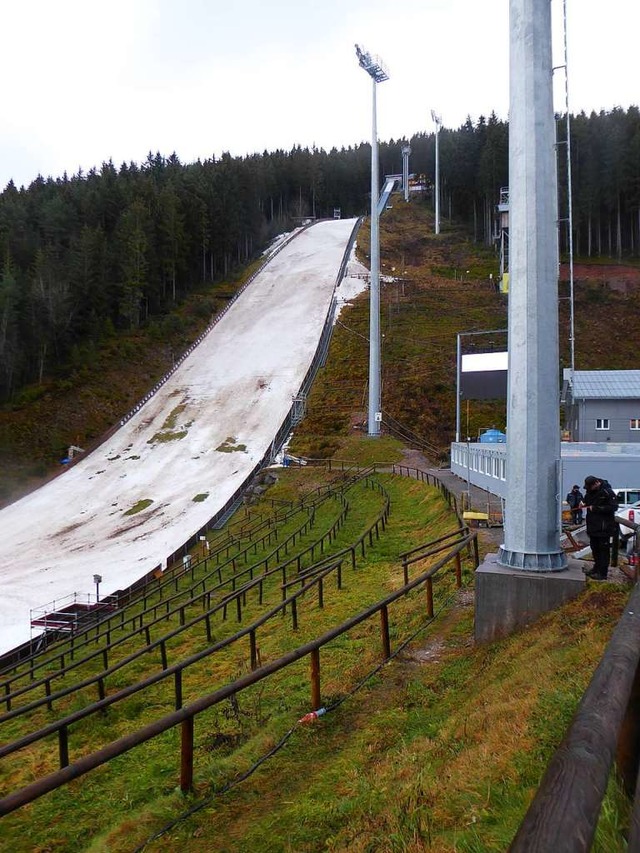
185, 716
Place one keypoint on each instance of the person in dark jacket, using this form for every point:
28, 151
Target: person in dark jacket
574, 499
602, 505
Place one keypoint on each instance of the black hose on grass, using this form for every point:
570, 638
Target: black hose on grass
283, 740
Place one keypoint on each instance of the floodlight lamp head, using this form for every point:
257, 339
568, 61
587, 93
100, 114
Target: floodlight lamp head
373, 65
437, 120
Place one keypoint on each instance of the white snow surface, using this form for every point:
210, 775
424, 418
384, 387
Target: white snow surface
234, 389
355, 281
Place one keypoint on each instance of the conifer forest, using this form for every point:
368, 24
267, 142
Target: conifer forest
117, 247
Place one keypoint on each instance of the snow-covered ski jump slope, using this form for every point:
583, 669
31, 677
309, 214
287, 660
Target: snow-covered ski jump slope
202, 433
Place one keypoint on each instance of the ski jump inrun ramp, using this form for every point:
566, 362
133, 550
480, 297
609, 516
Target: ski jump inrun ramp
201, 434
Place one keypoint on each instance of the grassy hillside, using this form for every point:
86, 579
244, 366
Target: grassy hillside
444, 288
440, 749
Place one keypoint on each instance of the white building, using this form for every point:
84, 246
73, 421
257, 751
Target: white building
485, 465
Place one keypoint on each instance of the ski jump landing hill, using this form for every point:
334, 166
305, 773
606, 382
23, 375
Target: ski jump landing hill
186, 453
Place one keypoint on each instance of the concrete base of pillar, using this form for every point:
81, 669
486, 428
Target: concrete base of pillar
508, 599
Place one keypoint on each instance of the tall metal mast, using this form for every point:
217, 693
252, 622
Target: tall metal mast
437, 120
375, 69
532, 517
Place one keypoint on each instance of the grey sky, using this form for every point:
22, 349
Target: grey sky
85, 81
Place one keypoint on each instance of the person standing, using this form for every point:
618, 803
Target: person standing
602, 504
574, 499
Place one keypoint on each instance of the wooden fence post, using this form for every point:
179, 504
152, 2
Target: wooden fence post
63, 746
178, 688
430, 597
384, 629
186, 755
254, 655
315, 679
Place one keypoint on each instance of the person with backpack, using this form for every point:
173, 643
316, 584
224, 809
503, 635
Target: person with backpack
602, 504
574, 499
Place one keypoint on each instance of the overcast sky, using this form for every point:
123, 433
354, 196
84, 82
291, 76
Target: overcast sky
87, 80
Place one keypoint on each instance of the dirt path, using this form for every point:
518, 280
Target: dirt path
489, 538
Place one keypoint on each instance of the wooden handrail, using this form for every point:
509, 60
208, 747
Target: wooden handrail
564, 813
68, 772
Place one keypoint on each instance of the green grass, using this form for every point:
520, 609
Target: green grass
422, 757
163, 437
139, 506
172, 419
229, 446
259, 713
440, 750
439, 753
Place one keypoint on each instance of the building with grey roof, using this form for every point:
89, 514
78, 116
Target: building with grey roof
602, 405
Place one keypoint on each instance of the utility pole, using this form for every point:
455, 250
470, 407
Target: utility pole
375, 69
437, 120
406, 151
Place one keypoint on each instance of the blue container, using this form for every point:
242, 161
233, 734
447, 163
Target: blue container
493, 436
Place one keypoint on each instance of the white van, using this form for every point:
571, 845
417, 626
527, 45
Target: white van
627, 496
629, 508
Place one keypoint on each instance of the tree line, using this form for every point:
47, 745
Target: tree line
85, 255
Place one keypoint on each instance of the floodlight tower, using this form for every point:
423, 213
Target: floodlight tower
406, 150
437, 120
375, 69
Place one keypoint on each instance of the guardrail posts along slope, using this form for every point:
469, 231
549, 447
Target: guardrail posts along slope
186, 714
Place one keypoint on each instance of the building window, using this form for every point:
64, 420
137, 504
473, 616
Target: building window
602, 423
634, 423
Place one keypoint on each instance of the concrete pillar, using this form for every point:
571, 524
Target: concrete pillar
532, 519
